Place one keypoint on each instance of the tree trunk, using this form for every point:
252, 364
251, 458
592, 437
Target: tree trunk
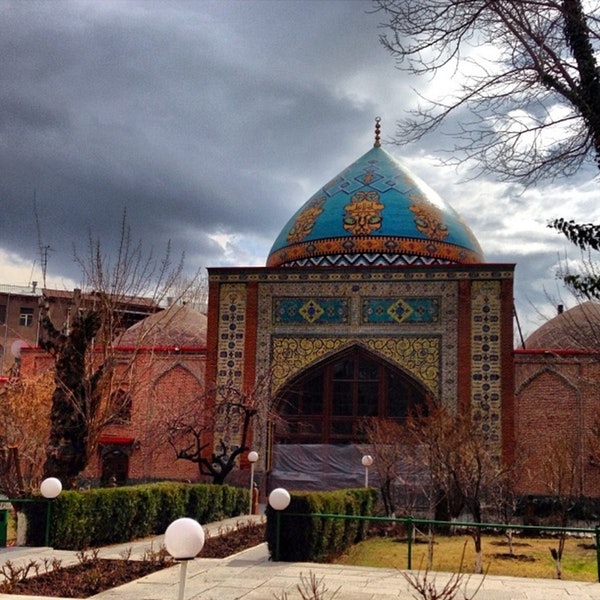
578, 37
73, 402
477, 517
430, 547
66, 451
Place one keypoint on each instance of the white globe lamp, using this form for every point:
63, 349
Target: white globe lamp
50, 488
279, 499
367, 461
184, 538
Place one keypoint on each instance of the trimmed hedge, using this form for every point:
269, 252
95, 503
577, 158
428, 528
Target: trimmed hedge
105, 516
317, 539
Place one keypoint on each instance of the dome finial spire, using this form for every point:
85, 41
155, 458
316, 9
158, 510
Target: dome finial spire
377, 132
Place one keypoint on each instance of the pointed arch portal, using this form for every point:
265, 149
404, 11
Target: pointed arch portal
327, 403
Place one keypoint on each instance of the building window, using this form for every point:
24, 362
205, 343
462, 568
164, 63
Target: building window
328, 403
26, 317
2, 314
121, 408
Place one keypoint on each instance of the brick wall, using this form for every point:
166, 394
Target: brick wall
160, 383
557, 405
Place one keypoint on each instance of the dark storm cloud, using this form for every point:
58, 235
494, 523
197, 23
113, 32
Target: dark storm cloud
169, 110
210, 123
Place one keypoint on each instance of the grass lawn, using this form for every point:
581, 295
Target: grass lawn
531, 556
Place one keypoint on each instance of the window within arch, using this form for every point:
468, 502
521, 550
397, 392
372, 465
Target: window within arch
120, 406
328, 403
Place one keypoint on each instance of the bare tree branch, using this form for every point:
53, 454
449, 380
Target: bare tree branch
527, 83
93, 379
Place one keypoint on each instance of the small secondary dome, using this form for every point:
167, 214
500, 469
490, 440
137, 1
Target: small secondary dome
575, 329
375, 213
178, 325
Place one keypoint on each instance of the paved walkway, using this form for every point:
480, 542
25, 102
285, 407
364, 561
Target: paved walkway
250, 575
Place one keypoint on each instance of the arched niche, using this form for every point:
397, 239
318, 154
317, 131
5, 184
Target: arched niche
327, 403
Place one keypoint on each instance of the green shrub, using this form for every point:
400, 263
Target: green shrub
145, 519
173, 503
115, 515
303, 537
199, 504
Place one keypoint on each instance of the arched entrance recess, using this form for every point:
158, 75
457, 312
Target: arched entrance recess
318, 437
327, 403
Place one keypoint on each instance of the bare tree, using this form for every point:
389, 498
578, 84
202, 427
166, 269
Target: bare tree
388, 444
503, 496
522, 84
192, 291
214, 438
526, 79
87, 383
593, 441
462, 467
561, 472
24, 428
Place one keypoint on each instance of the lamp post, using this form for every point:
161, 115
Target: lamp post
279, 499
50, 488
367, 461
252, 458
184, 538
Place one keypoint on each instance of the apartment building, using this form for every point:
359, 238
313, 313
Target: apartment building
20, 309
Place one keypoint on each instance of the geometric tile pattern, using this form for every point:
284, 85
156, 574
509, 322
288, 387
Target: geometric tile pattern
486, 365
365, 252
401, 310
430, 286
432, 352
310, 310
230, 358
419, 356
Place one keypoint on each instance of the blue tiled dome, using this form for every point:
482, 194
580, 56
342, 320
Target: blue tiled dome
375, 213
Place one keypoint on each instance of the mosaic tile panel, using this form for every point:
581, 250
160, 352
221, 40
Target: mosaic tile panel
356, 285
232, 322
419, 356
437, 341
310, 310
451, 273
230, 359
400, 310
374, 208
486, 364
364, 250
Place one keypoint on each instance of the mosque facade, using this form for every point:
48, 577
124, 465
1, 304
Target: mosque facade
375, 298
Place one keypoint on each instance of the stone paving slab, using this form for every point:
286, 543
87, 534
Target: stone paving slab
250, 575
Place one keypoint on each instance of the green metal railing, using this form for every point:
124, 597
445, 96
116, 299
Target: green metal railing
410, 523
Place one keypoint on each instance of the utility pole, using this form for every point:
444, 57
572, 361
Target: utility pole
43, 249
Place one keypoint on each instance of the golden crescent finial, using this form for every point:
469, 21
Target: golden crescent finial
377, 132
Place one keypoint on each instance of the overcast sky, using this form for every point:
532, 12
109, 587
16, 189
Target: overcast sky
211, 123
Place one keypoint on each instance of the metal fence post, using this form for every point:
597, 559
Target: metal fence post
409, 533
598, 550
277, 533
47, 528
